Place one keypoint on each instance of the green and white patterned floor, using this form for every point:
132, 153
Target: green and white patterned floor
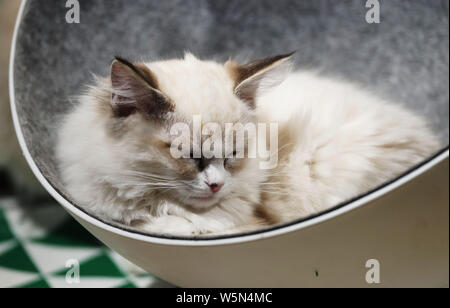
37, 243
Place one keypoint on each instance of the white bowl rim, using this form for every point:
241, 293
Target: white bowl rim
225, 240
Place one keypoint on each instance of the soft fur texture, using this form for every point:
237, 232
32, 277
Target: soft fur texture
403, 59
335, 141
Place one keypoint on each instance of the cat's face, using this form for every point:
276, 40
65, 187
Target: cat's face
150, 100
198, 182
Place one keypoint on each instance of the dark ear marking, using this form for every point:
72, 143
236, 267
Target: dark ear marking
246, 71
135, 89
142, 71
247, 78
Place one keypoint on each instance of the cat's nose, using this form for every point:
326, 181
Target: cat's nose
215, 187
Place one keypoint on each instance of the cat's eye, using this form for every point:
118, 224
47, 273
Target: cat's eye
233, 155
227, 161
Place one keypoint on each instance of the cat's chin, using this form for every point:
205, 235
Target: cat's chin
203, 199
202, 202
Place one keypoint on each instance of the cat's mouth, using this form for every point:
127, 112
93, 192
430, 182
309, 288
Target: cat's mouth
202, 201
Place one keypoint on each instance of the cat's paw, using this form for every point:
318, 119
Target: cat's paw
170, 225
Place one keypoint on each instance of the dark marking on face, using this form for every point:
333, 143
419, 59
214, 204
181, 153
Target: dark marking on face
236, 164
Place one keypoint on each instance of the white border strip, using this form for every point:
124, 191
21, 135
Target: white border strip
198, 242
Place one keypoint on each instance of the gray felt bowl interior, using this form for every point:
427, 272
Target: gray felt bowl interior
404, 58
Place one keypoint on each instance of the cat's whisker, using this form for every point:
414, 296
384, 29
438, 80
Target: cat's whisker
152, 186
153, 178
283, 147
146, 174
271, 183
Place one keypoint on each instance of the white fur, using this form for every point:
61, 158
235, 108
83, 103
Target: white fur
340, 142
336, 141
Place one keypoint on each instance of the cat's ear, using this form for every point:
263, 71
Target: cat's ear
135, 89
257, 76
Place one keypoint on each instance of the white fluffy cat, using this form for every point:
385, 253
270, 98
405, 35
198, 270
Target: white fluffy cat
335, 141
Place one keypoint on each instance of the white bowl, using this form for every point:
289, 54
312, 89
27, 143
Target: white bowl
404, 225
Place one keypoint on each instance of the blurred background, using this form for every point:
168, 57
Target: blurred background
8, 12
37, 237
